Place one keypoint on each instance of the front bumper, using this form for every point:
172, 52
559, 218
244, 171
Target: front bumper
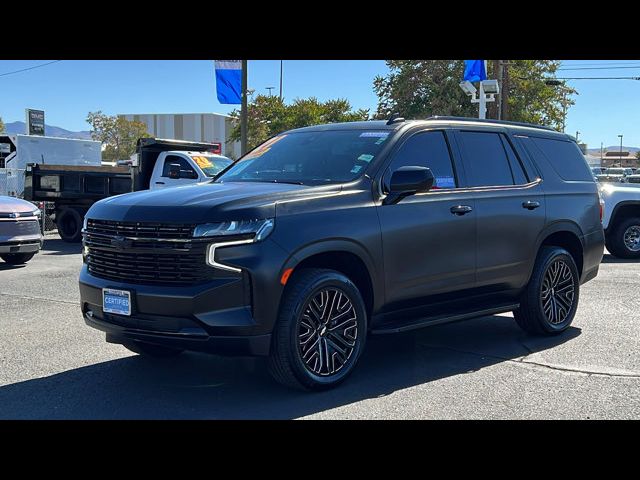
214, 317
21, 246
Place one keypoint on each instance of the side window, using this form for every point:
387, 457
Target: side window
564, 156
486, 160
426, 149
516, 167
185, 167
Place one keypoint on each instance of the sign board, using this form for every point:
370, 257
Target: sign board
35, 122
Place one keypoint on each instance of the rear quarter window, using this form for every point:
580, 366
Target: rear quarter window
564, 156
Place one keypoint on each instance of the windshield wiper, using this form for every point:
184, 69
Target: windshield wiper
291, 182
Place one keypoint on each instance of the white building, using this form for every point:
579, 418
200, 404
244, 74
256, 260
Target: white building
196, 127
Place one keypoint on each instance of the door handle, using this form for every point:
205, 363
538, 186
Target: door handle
530, 205
461, 210
159, 183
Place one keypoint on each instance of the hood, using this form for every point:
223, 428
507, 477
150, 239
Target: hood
15, 205
209, 202
624, 188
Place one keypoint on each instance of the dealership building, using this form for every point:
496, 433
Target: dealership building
197, 127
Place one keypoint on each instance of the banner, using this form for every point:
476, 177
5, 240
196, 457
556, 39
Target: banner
229, 81
474, 70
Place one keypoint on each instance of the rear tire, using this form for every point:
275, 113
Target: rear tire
550, 301
624, 239
69, 222
320, 332
17, 258
151, 350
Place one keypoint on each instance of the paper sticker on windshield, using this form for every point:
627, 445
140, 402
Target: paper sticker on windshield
202, 162
264, 148
365, 157
375, 134
356, 169
445, 182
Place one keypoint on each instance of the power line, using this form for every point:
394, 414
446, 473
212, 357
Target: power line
596, 68
30, 68
596, 78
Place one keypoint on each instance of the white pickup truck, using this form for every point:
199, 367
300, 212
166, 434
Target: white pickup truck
158, 163
621, 219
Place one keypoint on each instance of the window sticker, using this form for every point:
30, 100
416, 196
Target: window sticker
380, 140
202, 162
356, 169
375, 134
445, 182
365, 157
264, 148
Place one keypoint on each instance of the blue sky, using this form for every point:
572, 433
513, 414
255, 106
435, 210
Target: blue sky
67, 90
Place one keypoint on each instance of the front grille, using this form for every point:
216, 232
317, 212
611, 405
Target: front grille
145, 253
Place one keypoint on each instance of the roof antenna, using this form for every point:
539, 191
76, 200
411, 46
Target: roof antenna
395, 118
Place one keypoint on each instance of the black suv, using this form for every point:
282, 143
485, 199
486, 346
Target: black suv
323, 235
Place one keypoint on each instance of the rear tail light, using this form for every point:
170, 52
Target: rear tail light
601, 204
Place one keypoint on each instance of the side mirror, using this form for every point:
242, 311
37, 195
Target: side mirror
174, 171
407, 181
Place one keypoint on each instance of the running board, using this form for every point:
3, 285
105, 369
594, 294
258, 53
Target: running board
426, 322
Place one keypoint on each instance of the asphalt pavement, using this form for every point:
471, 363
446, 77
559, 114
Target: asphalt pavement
52, 366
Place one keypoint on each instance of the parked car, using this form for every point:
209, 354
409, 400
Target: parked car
325, 234
20, 234
621, 219
597, 171
615, 175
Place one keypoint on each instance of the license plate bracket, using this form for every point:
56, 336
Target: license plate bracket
116, 301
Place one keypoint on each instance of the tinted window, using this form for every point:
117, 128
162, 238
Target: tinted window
427, 149
564, 156
516, 167
184, 165
486, 159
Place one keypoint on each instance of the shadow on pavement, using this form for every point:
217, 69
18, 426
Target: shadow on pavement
211, 387
56, 246
7, 266
608, 258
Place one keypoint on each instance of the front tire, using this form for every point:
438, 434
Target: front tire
151, 350
624, 239
550, 301
320, 332
69, 223
17, 258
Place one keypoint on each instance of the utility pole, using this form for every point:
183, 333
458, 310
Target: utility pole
620, 150
577, 133
504, 90
243, 110
281, 79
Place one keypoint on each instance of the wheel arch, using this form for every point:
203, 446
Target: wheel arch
566, 235
623, 210
348, 258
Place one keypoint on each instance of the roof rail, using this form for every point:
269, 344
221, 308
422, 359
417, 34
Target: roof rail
500, 122
395, 118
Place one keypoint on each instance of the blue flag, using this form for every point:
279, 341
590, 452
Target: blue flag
229, 81
474, 70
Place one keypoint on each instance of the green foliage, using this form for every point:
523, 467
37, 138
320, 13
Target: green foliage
422, 88
1, 125
638, 154
268, 115
118, 134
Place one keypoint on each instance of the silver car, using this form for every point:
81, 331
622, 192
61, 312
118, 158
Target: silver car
20, 234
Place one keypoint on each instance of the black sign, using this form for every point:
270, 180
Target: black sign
35, 122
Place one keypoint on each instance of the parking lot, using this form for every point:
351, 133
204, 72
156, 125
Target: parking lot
53, 366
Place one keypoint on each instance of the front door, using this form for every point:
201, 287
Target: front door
428, 239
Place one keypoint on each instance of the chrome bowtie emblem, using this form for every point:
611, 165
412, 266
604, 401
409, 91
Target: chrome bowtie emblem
13, 215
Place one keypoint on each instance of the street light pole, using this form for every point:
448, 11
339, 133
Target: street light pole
620, 150
281, 80
577, 133
269, 88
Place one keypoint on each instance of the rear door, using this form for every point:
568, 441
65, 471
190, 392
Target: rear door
510, 206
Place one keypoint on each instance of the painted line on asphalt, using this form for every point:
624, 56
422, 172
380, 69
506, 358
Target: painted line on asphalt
29, 297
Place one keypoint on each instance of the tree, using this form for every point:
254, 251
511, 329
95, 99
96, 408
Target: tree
422, 88
637, 153
268, 115
1, 125
118, 134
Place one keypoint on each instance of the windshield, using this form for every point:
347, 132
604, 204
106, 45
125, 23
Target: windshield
309, 158
211, 165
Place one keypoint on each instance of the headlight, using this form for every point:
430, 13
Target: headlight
261, 228
37, 213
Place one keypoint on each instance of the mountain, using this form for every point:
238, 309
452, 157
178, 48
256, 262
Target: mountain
49, 130
613, 148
